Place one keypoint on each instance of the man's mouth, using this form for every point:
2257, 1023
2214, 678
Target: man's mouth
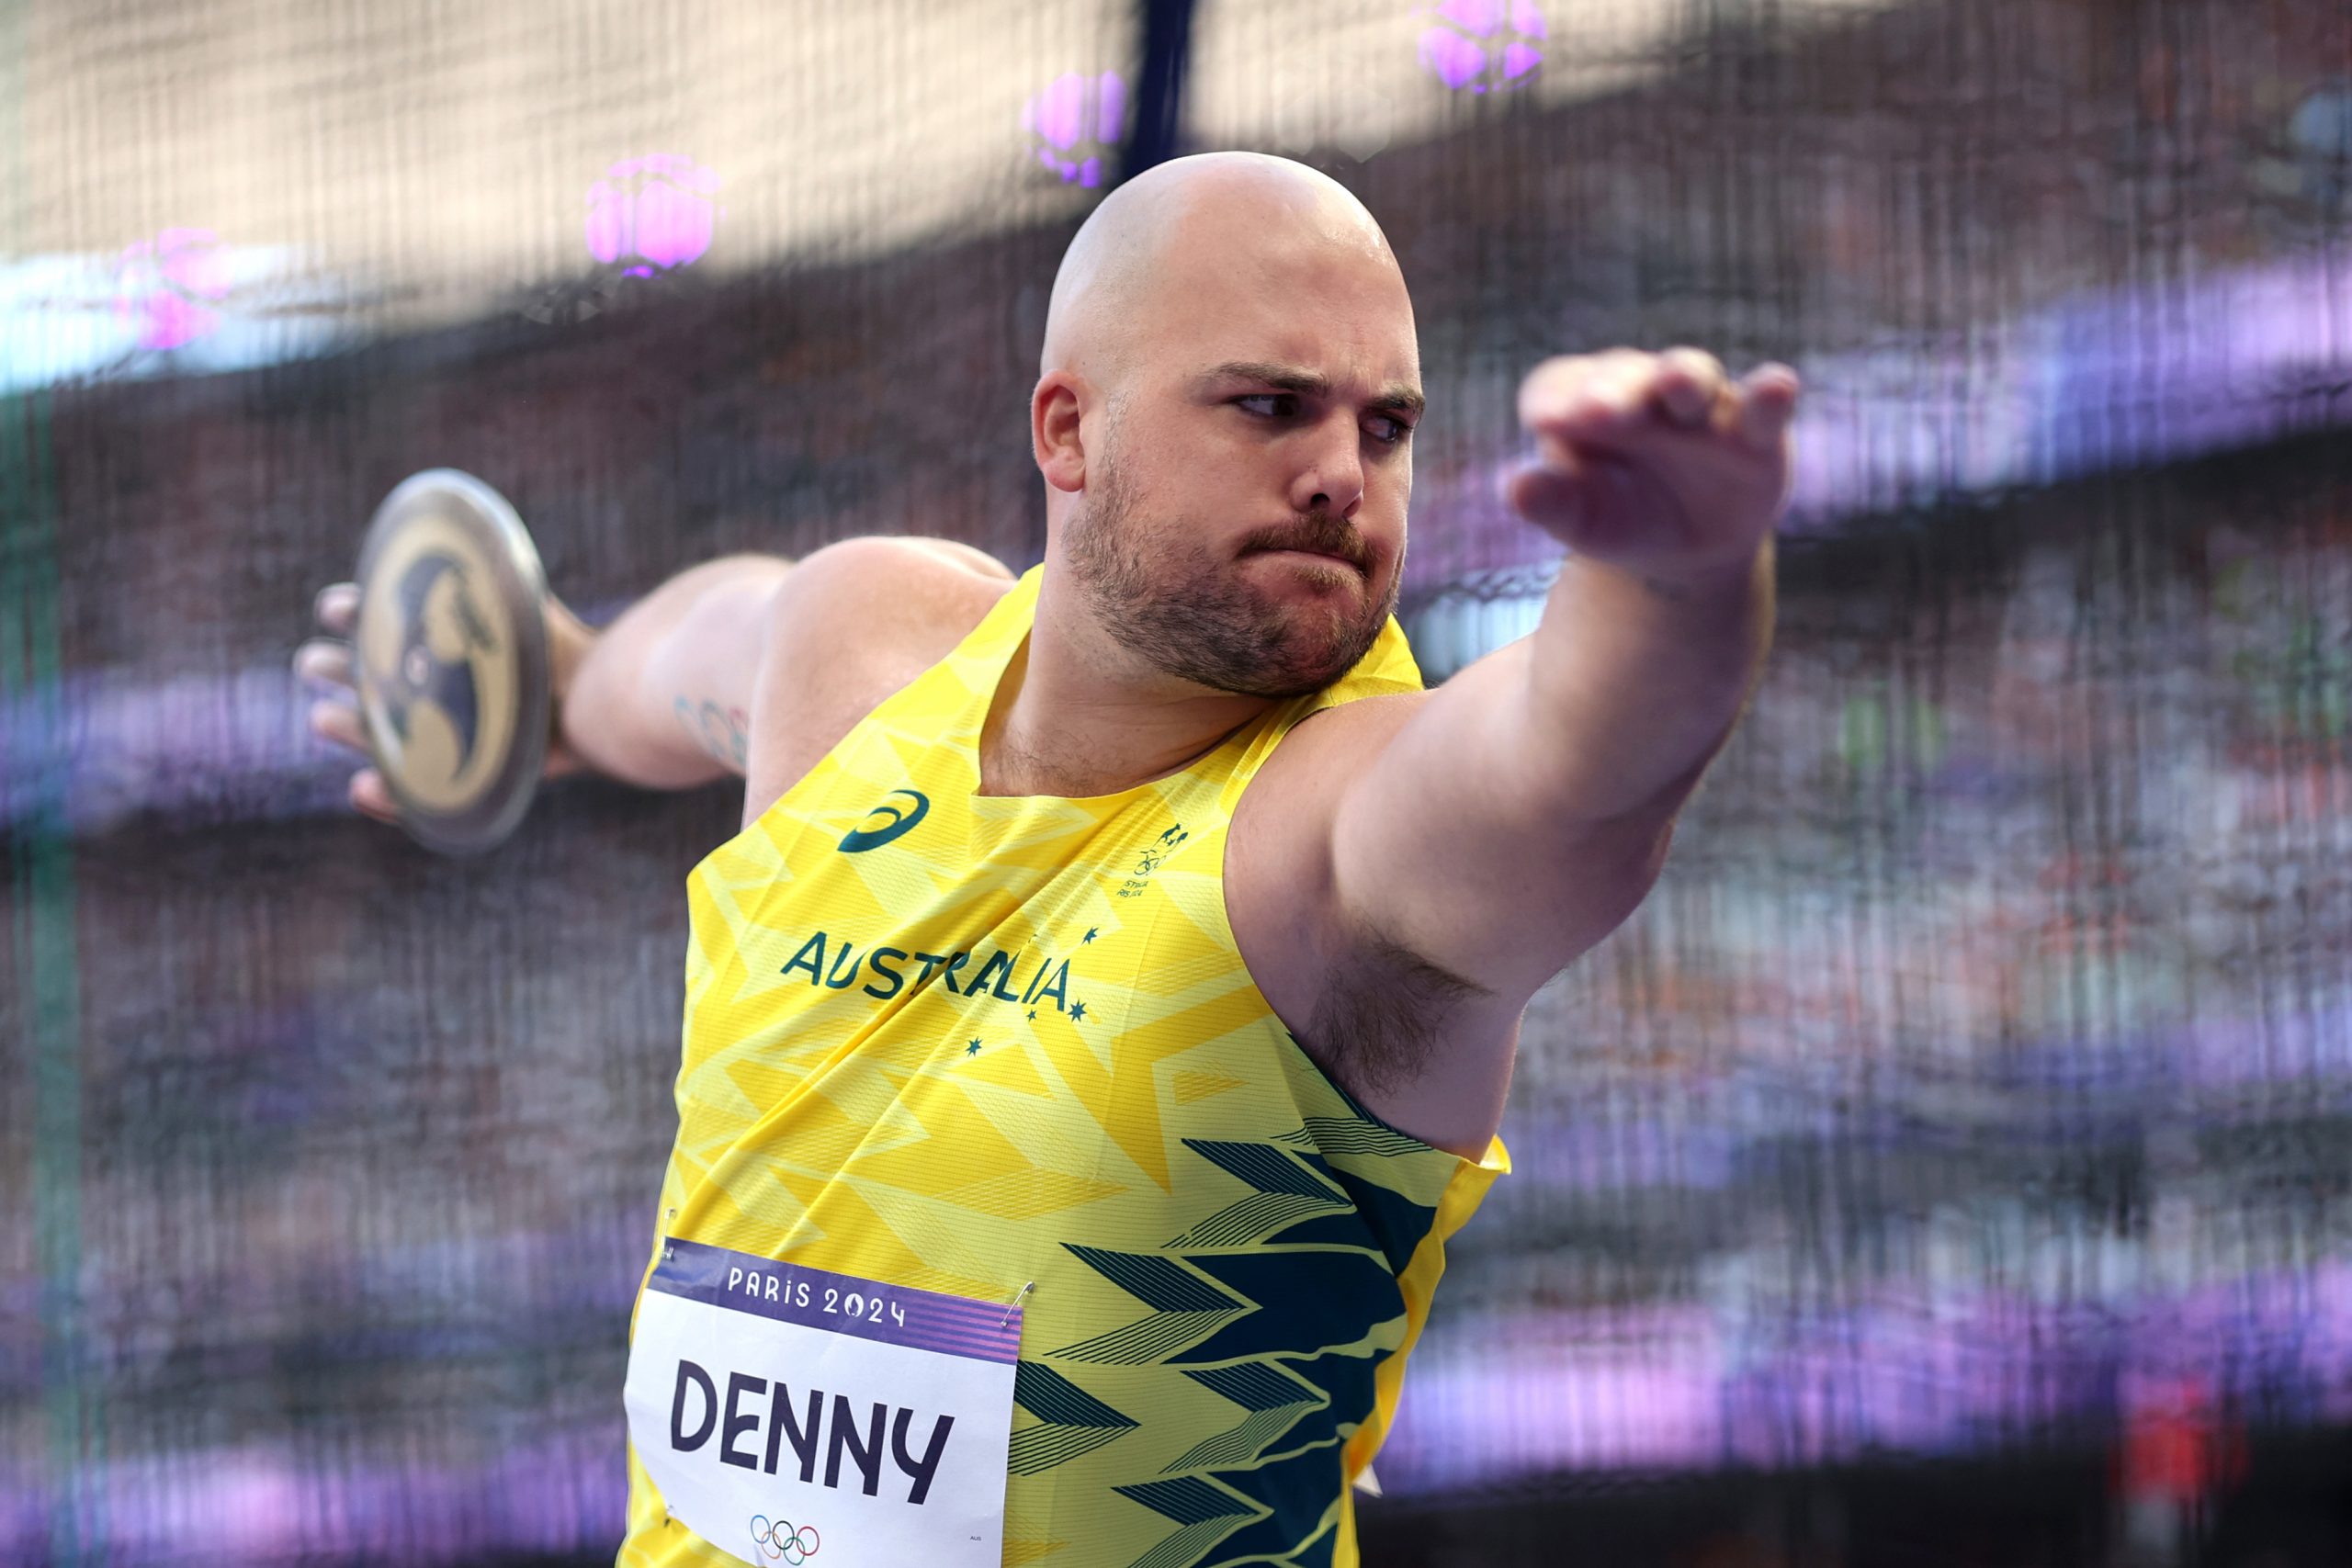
1309, 552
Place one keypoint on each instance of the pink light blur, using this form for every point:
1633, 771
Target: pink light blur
166, 286
652, 213
1482, 44
1073, 121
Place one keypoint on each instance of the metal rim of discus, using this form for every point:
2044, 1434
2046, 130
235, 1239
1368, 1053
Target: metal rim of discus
477, 528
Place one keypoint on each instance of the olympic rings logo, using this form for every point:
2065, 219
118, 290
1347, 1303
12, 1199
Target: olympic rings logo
779, 1542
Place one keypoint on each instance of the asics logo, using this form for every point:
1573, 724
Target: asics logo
898, 822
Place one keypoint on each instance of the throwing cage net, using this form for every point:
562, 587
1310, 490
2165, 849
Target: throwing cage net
1976, 1083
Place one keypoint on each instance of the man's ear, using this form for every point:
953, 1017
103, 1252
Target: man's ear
1055, 410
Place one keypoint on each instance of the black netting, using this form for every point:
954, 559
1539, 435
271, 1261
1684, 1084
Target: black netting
1971, 1100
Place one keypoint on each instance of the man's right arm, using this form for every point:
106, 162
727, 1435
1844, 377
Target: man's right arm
708, 674
745, 666
663, 697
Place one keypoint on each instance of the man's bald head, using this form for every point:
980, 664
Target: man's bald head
1223, 422
1214, 212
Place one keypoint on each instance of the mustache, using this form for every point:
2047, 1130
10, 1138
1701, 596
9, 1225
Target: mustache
1319, 532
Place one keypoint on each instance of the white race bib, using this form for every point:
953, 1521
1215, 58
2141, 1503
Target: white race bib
790, 1415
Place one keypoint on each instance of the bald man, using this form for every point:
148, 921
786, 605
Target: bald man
1104, 1016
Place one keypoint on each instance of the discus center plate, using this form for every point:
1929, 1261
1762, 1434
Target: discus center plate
452, 660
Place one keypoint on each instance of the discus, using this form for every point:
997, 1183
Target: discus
451, 659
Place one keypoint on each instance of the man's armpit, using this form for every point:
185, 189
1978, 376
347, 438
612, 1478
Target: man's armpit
1380, 1016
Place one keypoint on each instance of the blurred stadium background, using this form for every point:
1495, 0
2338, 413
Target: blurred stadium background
1950, 1163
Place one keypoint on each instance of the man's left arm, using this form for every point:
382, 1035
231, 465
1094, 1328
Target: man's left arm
1524, 810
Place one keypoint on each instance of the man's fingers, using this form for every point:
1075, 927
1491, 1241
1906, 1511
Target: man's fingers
1603, 398
338, 722
1656, 411
1685, 385
1547, 496
325, 662
337, 607
1768, 403
1586, 392
370, 798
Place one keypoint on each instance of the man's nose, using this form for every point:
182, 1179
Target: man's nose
1331, 479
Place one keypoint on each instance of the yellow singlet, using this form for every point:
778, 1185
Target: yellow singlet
968, 1044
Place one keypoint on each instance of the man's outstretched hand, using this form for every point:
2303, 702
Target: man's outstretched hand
1660, 464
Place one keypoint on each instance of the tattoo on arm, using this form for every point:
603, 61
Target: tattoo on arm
1673, 593
724, 733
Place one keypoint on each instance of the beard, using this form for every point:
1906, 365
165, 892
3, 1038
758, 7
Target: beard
1190, 616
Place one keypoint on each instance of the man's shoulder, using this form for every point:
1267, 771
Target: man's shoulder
892, 563
886, 594
850, 624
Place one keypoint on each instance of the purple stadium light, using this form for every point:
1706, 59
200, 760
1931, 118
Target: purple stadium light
652, 214
1481, 44
1074, 122
165, 287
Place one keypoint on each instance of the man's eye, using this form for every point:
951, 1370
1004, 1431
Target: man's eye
1280, 405
1388, 431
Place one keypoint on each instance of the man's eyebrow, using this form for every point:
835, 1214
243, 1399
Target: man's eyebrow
1400, 396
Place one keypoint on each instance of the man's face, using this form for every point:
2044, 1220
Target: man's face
1243, 522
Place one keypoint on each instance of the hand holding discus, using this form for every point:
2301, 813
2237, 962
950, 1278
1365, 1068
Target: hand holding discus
446, 662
